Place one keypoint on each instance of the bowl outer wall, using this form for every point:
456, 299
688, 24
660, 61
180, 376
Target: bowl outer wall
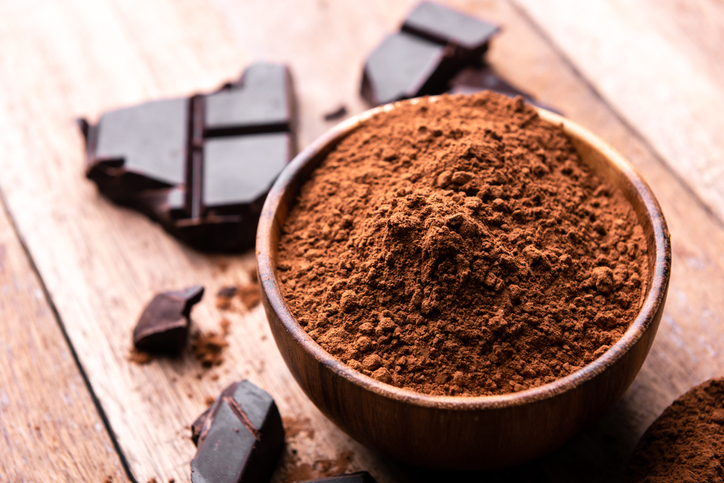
448, 432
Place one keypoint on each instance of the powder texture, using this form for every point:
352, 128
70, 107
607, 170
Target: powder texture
460, 247
686, 443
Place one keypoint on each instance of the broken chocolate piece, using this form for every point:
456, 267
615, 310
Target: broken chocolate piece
403, 66
164, 323
465, 37
241, 437
200, 166
475, 80
434, 44
260, 102
338, 113
198, 425
484, 78
357, 477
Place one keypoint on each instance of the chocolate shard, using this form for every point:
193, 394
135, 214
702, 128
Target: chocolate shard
198, 425
200, 166
357, 477
239, 170
241, 437
164, 323
338, 113
139, 148
434, 44
480, 79
261, 101
471, 80
403, 66
467, 38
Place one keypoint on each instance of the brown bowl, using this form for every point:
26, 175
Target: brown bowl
451, 432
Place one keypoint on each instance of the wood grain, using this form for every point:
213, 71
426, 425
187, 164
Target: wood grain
49, 427
661, 67
101, 263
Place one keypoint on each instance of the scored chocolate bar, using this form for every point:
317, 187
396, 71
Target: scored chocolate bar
200, 166
240, 437
434, 43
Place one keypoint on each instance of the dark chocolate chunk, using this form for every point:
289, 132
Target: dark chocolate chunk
484, 78
239, 170
200, 166
260, 102
198, 425
139, 148
403, 66
338, 113
434, 44
164, 323
465, 36
358, 477
480, 79
240, 439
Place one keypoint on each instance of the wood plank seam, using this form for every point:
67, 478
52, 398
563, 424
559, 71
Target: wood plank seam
636, 132
56, 315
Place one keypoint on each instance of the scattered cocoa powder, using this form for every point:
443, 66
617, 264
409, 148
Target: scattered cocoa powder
250, 295
208, 348
460, 247
224, 297
296, 426
686, 443
139, 357
225, 325
292, 469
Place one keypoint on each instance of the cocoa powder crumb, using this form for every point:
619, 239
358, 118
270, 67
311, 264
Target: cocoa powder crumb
460, 247
686, 443
250, 295
225, 325
208, 348
224, 297
296, 426
292, 469
139, 357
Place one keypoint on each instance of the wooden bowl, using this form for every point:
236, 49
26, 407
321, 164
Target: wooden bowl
449, 432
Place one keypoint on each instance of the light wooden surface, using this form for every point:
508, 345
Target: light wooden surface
101, 263
50, 429
660, 66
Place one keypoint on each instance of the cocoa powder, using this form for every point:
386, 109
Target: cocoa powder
686, 443
460, 247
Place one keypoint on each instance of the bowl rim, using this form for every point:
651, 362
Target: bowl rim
659, 277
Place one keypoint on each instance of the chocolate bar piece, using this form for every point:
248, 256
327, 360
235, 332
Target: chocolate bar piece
465, 37
241, 437
434, 44
164, 323
358, 477
198, 425
403, 66
199, 166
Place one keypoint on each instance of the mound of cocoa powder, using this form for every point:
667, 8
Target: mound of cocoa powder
460, 247
686, 443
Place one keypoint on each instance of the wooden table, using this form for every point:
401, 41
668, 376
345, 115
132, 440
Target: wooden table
75, 270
